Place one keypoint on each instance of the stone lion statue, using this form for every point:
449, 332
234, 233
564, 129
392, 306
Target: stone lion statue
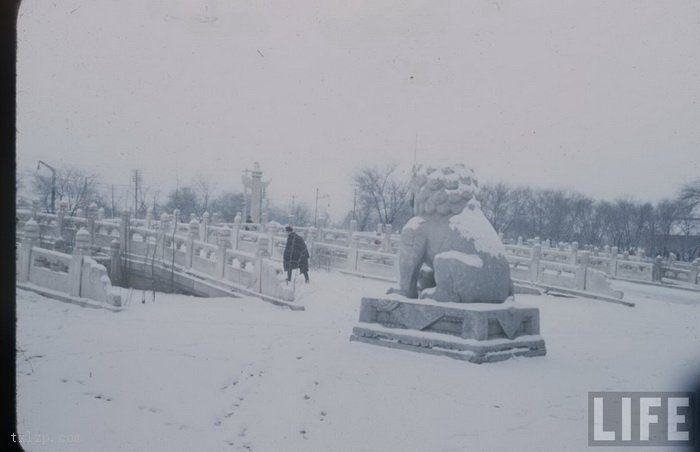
449, 250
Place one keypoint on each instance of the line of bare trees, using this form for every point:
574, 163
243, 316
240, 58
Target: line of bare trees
80, 188
671, 225
381, 197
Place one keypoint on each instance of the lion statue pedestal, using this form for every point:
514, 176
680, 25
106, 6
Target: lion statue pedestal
455, 295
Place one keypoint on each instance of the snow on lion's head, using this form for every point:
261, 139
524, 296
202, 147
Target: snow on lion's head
444, 190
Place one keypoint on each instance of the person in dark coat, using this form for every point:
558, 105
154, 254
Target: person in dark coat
296, 255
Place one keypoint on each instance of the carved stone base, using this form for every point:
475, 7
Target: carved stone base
472, 332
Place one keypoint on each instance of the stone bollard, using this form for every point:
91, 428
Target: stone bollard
535, 262
671, 259
353, 225
260, 256
657, 270
223, 243
124, 232
238, 218
270, 231
191, 237
35, 209
79, 213
30, 240
582, 270
537, 241
694, 270
100, 214
353, 252
194, 228
91, 218
82, 242
235, 231
75, 269
626, 256
115, 267
573, 253
60, 215
164, 233
176, 220
612, 262
265, 218
204, 228
520, 241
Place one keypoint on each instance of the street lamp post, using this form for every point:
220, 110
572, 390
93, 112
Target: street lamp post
326, 196
53, 183
316, 209
245, 178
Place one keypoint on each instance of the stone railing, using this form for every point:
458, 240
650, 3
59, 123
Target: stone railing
527, 264
75, 276
368, 253
192, 247
240, 257
614, 264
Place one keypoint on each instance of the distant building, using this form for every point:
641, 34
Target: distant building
683, 241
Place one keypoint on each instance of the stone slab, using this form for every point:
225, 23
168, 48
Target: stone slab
477, 352
66, 298
480, 321
474, 332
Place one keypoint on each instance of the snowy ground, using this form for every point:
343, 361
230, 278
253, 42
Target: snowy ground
186, 374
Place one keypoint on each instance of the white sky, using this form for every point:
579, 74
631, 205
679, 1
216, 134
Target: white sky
598, 96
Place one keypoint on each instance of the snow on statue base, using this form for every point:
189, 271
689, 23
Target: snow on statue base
475, 332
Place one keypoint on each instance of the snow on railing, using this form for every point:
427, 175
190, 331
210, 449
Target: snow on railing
73, 276
373, 253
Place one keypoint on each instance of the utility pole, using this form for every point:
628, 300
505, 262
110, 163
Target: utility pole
326, 196
154, 201
53, 183
354, 204
137, 179
84, 196
316, 209
245, 178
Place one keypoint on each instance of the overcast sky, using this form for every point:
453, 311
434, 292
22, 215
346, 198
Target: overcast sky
597, 96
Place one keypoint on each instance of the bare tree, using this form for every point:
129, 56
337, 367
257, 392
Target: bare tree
185, 199
494, 203
205, 189
73, 185
667, 213
690, 196
380, 191
227, 204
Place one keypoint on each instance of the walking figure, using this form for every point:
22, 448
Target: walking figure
296, 255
